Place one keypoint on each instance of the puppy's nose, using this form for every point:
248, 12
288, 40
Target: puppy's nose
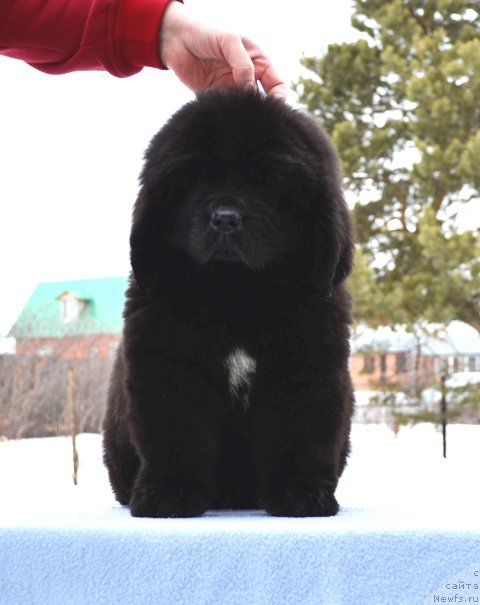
226, 220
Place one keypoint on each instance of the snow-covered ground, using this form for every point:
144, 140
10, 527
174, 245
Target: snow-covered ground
384, 470
408, 532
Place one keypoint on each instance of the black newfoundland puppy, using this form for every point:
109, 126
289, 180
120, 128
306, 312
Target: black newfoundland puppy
231, 386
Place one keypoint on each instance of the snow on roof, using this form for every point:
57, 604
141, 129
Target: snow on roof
457, 338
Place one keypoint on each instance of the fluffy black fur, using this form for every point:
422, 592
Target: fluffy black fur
231, 386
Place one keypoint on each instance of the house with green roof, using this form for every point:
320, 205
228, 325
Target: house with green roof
72, 319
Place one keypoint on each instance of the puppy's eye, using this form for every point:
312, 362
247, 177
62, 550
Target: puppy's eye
261, 173
212, 173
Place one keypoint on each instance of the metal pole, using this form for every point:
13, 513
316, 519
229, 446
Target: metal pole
443, 414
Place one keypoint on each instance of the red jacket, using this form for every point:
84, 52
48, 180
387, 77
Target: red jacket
58, 36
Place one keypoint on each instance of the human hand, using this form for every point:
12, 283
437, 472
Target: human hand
203, 56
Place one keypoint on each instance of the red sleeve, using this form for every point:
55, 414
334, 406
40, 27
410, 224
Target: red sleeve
59, 36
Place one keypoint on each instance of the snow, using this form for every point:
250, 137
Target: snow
408, 527
462, 379
436, 339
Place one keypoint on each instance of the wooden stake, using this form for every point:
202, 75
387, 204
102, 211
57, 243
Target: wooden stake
72, 406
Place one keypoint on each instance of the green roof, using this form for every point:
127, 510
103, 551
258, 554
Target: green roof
99, 309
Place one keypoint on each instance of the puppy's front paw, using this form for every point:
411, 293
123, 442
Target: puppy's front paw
167, 499
301, 502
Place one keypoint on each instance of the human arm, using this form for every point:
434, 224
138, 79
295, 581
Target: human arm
60, 36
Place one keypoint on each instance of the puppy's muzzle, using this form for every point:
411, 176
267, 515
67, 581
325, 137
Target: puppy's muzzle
225, 220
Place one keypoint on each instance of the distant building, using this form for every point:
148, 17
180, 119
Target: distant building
73, 319
383, 356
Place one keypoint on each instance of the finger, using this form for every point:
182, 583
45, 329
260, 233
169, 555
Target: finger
272, 83
237, 57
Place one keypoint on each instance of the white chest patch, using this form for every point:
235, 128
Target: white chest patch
241, 368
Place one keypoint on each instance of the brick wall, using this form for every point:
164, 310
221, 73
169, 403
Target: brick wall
72, 347
372, 370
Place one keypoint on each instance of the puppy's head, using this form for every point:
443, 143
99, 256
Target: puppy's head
238, 178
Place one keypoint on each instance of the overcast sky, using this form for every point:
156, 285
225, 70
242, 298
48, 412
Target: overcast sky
71, 146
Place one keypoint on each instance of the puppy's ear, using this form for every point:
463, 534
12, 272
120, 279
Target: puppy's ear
162, 181
346, 238
334, 243
145, 240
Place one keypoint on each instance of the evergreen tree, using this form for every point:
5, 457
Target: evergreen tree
402, 105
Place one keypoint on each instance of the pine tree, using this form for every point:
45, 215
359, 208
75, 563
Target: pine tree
402, 105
